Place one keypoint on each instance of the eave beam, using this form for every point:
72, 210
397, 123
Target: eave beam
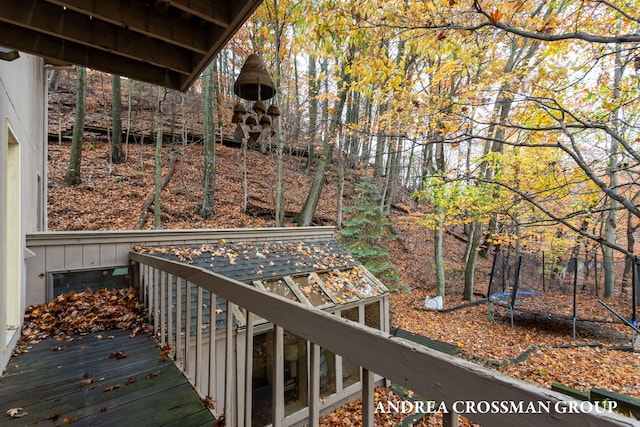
48, 46
135, 15
72, 26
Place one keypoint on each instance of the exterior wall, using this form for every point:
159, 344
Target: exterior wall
22, 184
86, 250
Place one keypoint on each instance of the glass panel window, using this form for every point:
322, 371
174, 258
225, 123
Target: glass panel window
351, 314
339, 286
372, 315
281, 288
295, 373
262, 396
78, 281
327, 373
350, 370
312, 290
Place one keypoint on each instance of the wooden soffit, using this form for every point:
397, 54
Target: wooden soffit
163, 42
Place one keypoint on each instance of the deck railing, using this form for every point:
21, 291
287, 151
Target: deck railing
485, 396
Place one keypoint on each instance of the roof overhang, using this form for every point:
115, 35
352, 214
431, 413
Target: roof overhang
163, 42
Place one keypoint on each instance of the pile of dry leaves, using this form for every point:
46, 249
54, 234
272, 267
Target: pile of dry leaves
591, 360
83, 313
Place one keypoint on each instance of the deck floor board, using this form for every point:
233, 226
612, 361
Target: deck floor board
85, 383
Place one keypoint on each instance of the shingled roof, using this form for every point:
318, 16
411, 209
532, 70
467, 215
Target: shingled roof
317, 272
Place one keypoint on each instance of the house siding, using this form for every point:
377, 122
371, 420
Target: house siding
22, 124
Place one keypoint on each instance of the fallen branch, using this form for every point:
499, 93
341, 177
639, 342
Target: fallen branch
149, 200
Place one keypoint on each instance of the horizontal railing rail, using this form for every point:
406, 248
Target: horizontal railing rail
457, 383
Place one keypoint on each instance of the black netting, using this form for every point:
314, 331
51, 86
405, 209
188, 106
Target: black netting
542, 272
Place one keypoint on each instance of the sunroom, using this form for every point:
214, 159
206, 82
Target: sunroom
314, 273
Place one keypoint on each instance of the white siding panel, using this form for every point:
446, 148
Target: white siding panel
73, 257
55, 259
108, 254
91, 255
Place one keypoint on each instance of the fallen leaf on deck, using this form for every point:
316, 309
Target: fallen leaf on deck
118, 355
16, 413
152, 375
209, 402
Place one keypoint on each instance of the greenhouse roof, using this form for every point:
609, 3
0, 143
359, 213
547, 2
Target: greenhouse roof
315, 272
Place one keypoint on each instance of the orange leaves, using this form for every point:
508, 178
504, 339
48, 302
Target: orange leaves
209, 402
350, 415
77, 313
575, 366
495, 15
165, 351
581, 368
118, 355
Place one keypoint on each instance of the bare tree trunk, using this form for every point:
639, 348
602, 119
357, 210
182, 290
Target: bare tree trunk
280, 207
297, 117
313, 111
207, 210
627, 276
116, 120
612, 171
380, 141
439, 231
73, 173
470, 259
305, 217
149, 200
157, 218
341, 160
314, 89
54, 78
129, 108
365, 157
394, 173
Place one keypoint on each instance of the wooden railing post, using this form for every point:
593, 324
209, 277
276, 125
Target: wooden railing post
155, 298
278, 376
367, 398
187, 328
228, 368
212, 347
248, 370
164, 331
198, 371
314, 385
450, 419
178, 354
171, 338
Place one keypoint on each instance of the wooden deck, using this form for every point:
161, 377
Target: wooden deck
90, 382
